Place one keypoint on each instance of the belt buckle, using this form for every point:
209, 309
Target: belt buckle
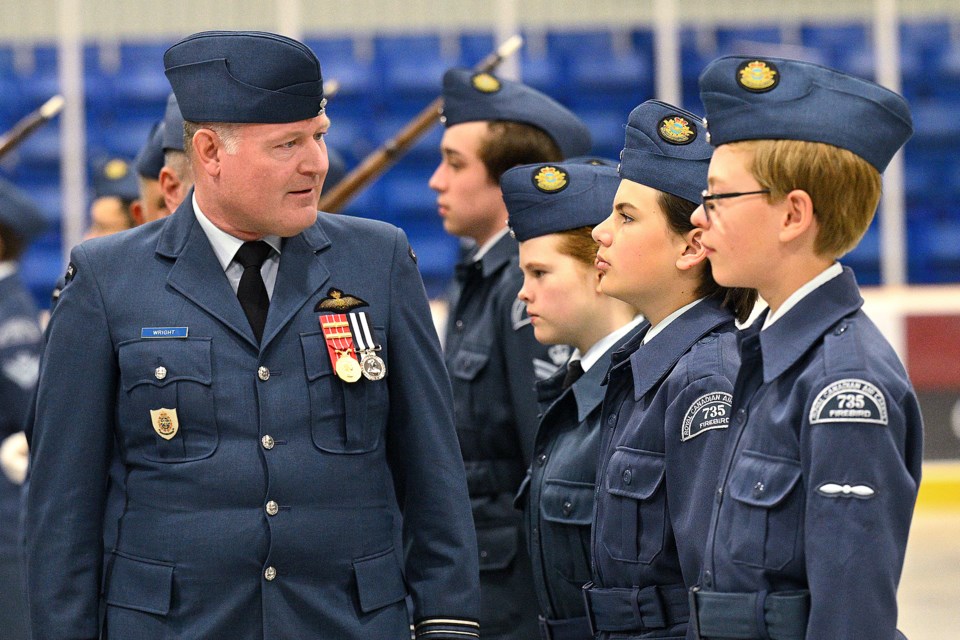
585, 591
694, 621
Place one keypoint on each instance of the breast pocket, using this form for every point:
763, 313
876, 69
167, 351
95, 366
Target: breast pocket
467, 399
167, 407
765, 516
567, 510
345, 417
632, 528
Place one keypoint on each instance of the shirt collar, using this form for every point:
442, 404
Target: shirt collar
784, 343
602, 345
823, 277
225, 245
589, 390
486, 246
663, 324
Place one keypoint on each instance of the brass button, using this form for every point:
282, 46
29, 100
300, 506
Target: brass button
272, 508
160, 373
267, 442
270, 573
263, 373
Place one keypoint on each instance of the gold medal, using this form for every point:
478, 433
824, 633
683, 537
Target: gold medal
373, 366
165, 422
348, 369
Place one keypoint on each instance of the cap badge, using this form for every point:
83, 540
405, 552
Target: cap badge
550, 179
485, 83
677, 130
115, 169
758, 76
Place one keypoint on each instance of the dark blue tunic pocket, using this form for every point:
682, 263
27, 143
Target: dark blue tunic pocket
766, 522
633, 523
166, 406
567, 510
345, 417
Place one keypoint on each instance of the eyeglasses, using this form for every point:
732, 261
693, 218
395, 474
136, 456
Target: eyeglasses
706, 197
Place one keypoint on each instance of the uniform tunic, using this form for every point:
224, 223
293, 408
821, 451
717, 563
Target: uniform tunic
665, 418
277, 508
557, 495
820, 477
494, 360
20, 347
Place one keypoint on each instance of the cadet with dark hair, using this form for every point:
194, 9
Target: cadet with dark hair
260, 371
667, 403
553, 209
815, 498
490, 350
20, 347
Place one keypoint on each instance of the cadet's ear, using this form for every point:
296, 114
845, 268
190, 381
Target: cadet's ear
798, 217
208, 147
137, 213
693, 251
170, 188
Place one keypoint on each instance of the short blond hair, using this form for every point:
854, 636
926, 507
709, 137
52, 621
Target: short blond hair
845, 188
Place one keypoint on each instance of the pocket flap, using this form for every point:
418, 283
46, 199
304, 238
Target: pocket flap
467, 364
567, 502
762, 480
497, 546
140, 584
635, 474
141, 362
379, 580
316, 359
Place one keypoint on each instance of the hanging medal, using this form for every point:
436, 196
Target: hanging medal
336, 331
371, 364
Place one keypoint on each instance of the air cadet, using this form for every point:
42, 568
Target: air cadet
816, 493
176, 176
115, 189
553, 209
148, 164
263, 370
667, 403
20, 346
490, 350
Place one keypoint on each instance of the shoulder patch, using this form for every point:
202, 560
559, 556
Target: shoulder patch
17, 331
518, 315
849, 400
23, 369
709, 411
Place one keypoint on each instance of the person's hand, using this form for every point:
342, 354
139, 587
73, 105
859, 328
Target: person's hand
13, 457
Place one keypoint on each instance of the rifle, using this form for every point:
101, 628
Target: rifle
390, 151
30, 123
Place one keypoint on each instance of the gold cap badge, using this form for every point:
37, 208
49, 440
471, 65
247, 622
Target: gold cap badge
165, 422
485, 83
115, 169
550, 179
677, 130
758, 76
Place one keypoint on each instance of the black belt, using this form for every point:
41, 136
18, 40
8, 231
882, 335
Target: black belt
749, 616
566, 629
635, 609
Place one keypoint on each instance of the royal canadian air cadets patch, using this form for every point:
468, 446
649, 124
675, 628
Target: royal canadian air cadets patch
709, 411
849, 400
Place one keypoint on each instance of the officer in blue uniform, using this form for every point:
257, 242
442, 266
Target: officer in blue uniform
490, 350
20, 346
553, 209
668, 395
263, 369
817, 487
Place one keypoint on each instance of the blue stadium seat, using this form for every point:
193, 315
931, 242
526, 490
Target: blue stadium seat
865, 257
936, 123
41, 151
607, 129
408, 194
475, 46
426, 150
733, 40
40, 267
124, 137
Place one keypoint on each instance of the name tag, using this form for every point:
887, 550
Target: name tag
163, 332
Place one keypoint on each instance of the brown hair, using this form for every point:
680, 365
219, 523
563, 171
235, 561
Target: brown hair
740, 301
579, 244
510, 144
11, 244
845, 188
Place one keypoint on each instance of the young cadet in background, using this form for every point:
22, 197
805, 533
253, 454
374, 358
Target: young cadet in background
667, 404
148, 164
816, 493
490, 350
176, 176
553, 208
115, 189
20, 347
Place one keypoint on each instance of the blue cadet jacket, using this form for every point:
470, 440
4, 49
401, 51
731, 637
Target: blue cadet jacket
819, 481
666, 413
265, 497
557, 494
494, 361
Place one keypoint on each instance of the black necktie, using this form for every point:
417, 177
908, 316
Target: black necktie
252, 293
574, 371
